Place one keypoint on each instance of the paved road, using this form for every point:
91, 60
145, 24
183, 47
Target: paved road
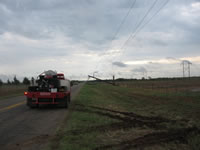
22, 128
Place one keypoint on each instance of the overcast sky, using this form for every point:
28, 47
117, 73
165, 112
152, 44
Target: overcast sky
101, 37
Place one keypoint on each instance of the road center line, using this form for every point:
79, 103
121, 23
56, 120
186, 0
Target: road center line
12, 106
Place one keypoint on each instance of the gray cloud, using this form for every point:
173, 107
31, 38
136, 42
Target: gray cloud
171, 58
186, 61
119, 64
80, 20
35, 30
139, 70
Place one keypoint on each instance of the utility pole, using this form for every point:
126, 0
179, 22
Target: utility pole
183, 69
98, 79
113, 79
186, 67
189, 69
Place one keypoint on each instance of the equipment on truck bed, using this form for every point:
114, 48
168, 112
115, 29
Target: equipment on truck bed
49, 88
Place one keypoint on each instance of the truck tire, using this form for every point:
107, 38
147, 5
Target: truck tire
29, 104
33, 105
69, 98
66, 101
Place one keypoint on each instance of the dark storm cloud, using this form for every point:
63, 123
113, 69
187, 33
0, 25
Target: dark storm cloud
81, 20
92, 21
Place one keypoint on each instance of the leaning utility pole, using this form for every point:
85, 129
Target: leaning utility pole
98, 79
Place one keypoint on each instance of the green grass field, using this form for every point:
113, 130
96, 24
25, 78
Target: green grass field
131, 117
7, 91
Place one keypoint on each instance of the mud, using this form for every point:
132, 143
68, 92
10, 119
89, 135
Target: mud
179, 135
131, 114
123, 116
124, 120
127, 120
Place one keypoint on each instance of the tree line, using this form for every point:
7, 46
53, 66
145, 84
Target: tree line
15, 81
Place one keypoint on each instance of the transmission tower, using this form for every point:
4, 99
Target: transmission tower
186, 68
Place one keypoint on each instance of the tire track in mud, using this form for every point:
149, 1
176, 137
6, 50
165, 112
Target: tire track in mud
127, 120
179, 135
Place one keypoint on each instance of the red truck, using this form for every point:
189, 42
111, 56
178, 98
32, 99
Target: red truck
49, 88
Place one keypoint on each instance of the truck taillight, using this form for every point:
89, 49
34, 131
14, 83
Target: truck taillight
25, 93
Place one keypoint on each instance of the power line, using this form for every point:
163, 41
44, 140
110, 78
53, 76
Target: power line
139, 24
123, 21
150, 19
197, 68
120, 26
139, 28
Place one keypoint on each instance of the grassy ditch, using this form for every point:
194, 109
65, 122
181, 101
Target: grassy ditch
7, 91
114, 117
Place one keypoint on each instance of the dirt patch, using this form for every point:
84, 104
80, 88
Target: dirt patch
195, 90
127, 120
134, 115
124, 120
179, 135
